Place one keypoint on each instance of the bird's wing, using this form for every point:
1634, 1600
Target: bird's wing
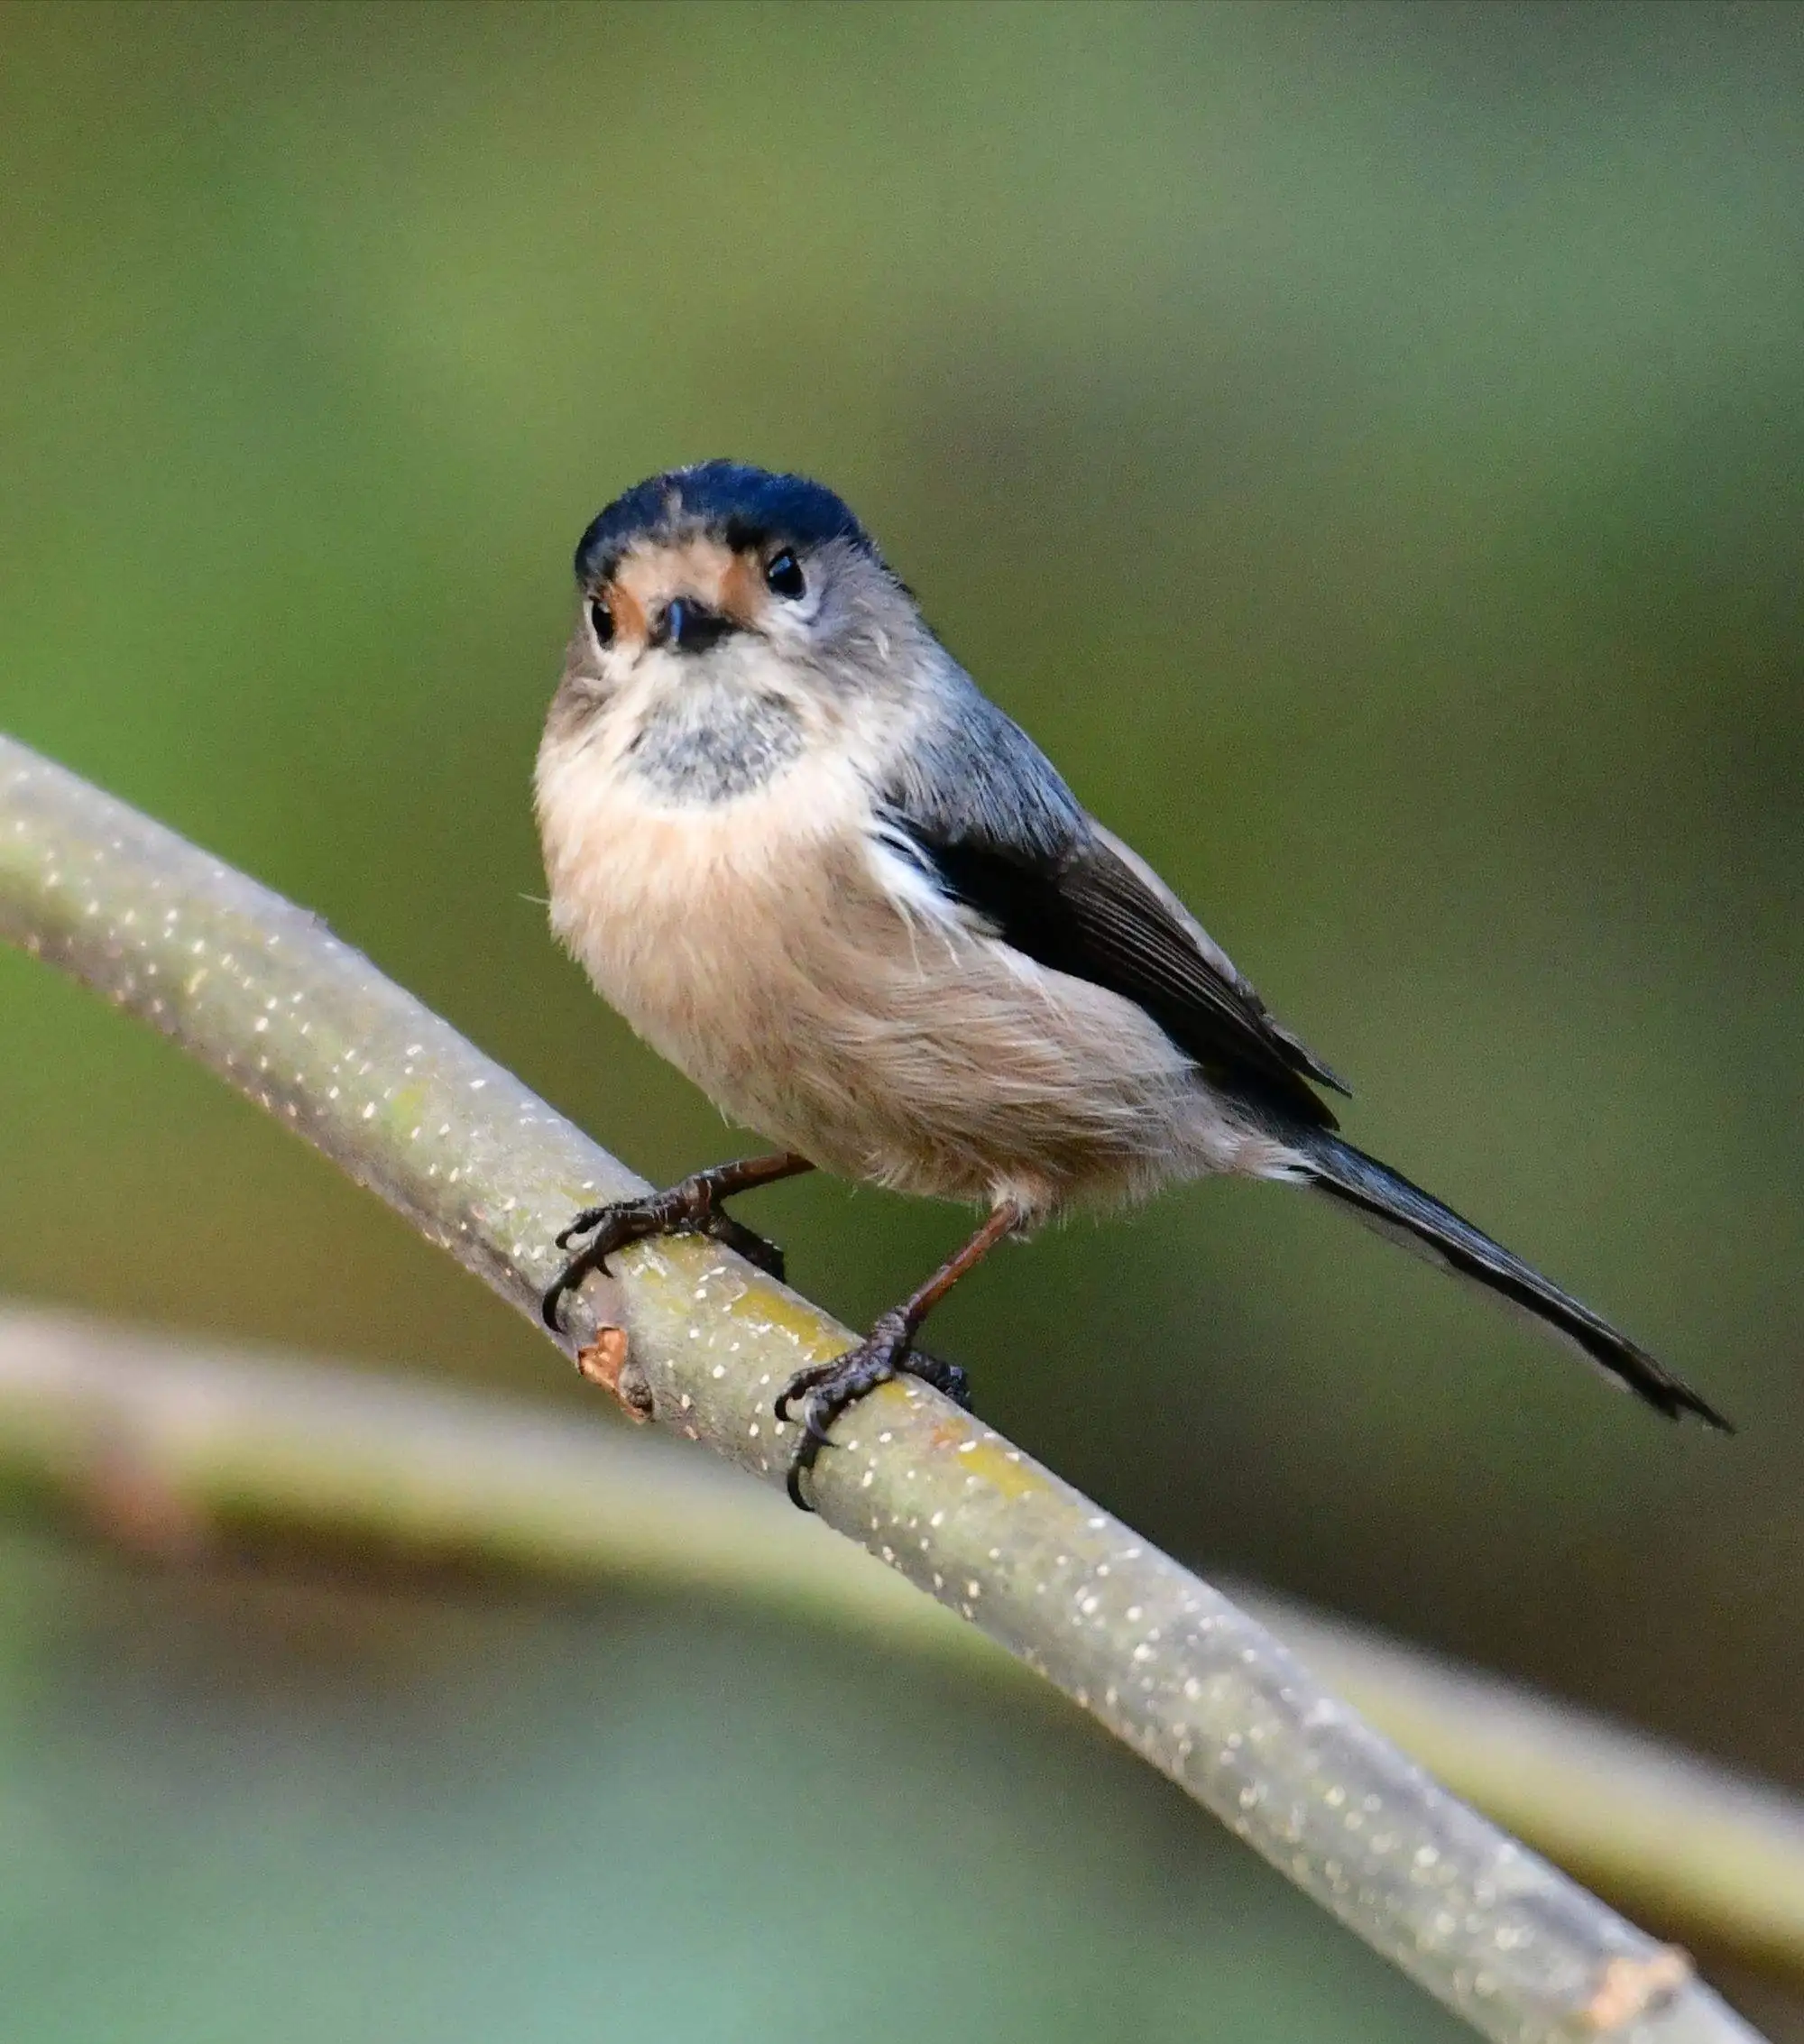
1073, 898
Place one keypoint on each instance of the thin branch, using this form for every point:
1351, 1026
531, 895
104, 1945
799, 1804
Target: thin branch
175, 1446
263, 992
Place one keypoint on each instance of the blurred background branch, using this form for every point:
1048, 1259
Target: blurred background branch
264, 995
181, 1449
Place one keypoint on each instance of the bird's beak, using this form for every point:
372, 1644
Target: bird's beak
690, 627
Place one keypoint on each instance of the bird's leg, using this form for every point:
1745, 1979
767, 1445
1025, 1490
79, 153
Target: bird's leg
884, 1353
691, 1207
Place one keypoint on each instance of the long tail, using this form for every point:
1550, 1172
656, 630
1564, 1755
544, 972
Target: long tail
1387, 1202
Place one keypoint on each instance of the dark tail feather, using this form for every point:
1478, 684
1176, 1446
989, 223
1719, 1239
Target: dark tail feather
1389, 1203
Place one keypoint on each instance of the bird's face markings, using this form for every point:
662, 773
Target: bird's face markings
727, 620
688, 597
686, 638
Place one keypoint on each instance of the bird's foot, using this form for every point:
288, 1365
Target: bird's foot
691, 1207
830, 1388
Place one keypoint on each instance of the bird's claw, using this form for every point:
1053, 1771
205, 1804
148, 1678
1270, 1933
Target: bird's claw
691, 1207
832, 1387
581, 1224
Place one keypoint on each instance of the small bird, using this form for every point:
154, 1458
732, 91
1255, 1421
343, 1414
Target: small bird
814, 866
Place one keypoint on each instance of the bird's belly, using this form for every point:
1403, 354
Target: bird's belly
764, 959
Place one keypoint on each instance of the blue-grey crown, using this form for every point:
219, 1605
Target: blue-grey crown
746, 507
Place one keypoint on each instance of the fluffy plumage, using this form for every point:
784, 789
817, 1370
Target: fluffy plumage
815, 868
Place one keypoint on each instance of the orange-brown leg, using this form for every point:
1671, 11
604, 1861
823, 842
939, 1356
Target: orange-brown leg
884, 1353
691, 1208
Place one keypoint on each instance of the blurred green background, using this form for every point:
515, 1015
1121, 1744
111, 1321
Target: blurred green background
1367, 446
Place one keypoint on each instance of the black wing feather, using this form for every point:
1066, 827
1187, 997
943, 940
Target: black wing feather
1089, 915
1000, 833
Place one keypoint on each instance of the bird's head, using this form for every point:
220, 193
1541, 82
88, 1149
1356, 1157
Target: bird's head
723, 572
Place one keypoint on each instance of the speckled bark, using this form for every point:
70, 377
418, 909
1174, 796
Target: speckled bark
263, 993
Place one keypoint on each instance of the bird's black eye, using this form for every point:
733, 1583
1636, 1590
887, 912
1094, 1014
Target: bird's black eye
602, 621
783, 576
